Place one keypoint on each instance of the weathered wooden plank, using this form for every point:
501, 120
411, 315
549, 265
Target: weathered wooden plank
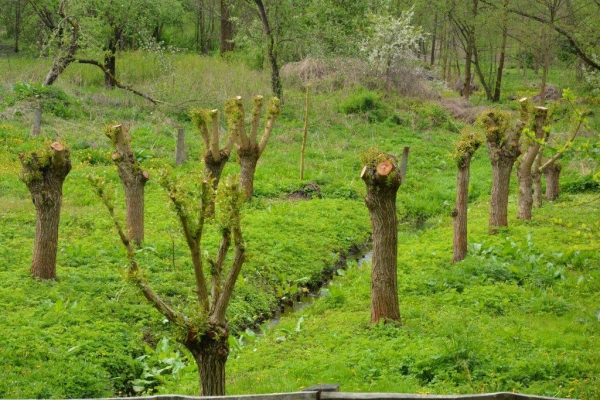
399, 396
273, 396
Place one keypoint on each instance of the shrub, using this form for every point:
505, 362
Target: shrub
366, 103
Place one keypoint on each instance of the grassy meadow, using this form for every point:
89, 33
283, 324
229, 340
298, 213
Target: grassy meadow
521, 313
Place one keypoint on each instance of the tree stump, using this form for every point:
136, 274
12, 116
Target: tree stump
382, 178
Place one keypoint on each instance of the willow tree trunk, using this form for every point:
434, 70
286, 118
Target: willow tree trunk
134, 180
459, 243
552, 174
524, 172
44, 176
501, 172
210, 350
248, 160
382, 179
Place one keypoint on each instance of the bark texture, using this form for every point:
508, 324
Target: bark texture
44, 173
382, 179
530, 151
134, 180
502, 141
210, 350
552, 174
465, 149
249, 148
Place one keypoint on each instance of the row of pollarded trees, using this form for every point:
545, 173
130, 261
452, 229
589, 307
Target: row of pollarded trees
203, 329
509, 142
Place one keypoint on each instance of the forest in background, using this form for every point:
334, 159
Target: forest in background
518, 314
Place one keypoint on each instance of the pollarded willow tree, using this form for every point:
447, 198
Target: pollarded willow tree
134, 180
215, 157
468, 143
249, 148
383, 177
44, 173
502, 141
201, 325
530, 149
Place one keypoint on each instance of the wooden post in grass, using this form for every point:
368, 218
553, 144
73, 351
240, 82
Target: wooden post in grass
404, 163
44, 173
466, 147
305, 133
382, 178
180, 153
36, 127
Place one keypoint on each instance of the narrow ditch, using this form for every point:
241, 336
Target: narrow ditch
301, 301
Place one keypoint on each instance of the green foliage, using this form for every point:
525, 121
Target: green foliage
516, 314
160, 364
366, 104
581, 184
50, 98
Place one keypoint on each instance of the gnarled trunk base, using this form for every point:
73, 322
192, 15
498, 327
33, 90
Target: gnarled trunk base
210, 352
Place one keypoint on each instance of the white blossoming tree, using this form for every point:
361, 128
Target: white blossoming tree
391, 42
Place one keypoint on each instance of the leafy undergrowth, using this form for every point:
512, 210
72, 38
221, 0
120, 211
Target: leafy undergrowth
521, 313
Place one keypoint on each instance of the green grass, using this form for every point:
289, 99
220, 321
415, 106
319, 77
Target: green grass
520, 313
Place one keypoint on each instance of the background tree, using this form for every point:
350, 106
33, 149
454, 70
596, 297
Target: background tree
227, 33
249, 149
383, 178
467, 145
44, 173
270, 34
